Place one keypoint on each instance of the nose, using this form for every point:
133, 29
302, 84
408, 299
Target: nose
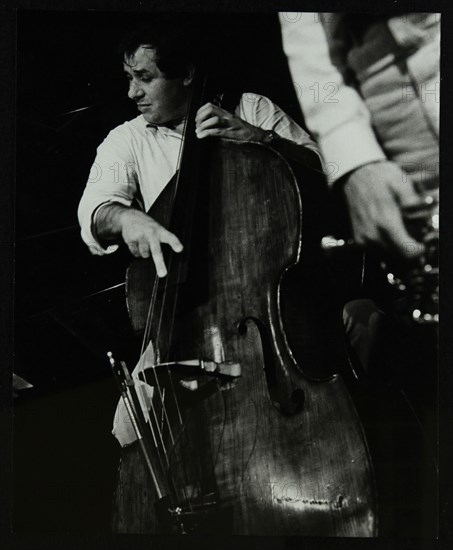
135, 91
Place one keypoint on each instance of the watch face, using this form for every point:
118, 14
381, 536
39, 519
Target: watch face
270, 137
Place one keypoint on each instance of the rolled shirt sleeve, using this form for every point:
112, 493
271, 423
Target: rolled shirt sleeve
263, 113
112, 178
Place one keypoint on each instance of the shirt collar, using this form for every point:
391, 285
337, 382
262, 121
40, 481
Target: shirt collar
170, 128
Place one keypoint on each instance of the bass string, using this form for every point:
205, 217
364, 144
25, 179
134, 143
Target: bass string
172, 316
164, 301
151, 316
181, 154
159, 439
188, 222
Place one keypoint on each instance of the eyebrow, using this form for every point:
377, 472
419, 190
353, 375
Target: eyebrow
138, 72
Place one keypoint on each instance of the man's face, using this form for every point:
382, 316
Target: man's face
159, 99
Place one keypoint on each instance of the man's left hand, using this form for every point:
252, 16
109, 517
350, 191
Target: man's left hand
212, 120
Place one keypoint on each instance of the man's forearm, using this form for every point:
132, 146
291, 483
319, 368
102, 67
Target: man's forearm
141, 234
106, 224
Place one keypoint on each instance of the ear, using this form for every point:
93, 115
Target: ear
188, 79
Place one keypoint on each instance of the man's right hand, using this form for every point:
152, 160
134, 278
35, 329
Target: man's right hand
144, 237
375, 194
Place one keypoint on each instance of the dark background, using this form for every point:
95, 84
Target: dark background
69, 305
60, 464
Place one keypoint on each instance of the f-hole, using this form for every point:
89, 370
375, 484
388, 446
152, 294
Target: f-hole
296, 396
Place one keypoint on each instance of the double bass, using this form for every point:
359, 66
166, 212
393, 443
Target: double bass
239, 431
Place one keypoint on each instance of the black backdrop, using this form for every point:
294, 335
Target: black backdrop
46, 436
69, 306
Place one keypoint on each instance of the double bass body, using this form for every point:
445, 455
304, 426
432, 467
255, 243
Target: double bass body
270, 451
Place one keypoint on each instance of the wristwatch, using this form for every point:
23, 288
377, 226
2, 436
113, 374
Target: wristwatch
270, 138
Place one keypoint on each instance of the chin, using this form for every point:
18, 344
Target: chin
150, 118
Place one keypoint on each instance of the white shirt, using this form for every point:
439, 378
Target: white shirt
138, 156
334, 111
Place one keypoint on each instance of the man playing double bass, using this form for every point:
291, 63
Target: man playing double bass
157, 62
160, 66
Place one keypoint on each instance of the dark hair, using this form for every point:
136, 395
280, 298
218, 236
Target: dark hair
175, 45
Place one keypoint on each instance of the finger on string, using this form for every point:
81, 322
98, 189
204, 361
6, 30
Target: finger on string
213, 122
206, 111
216, 132
158, 260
